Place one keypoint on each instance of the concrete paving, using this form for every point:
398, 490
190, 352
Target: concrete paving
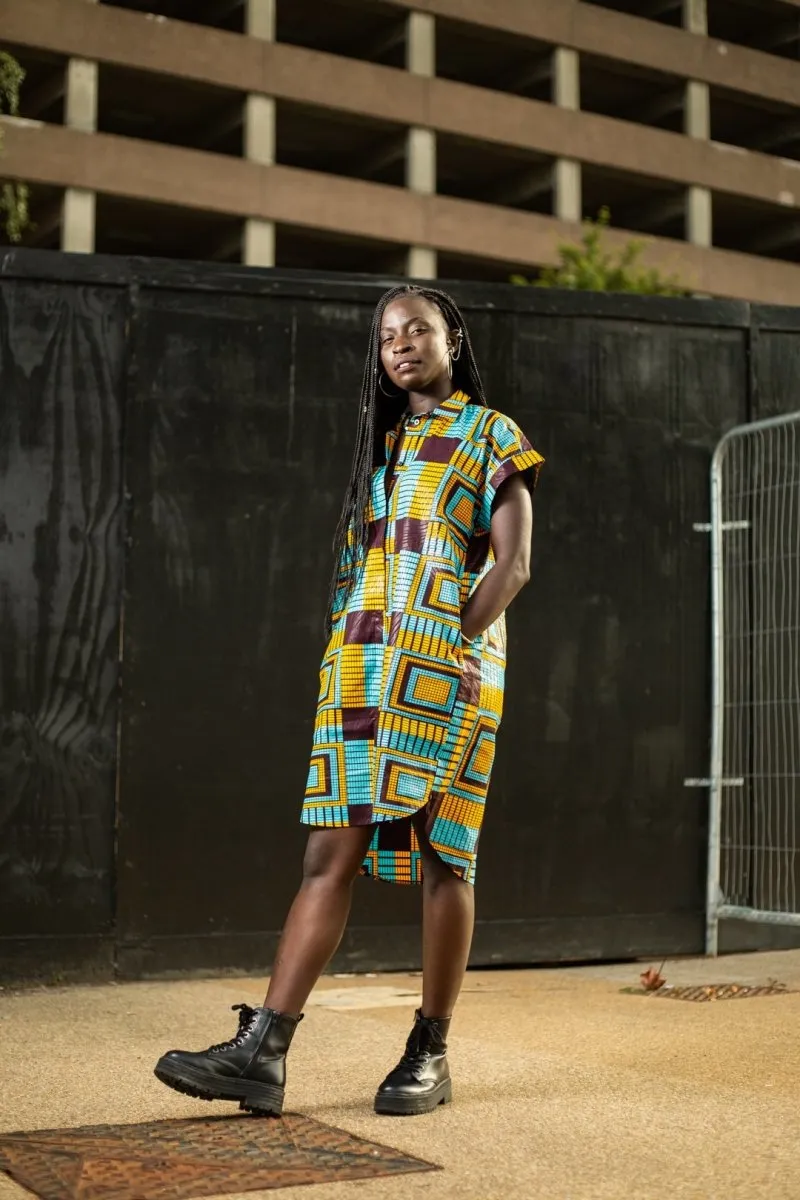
565, 1086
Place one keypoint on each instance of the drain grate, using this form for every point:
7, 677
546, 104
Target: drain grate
171, 1160
721, 991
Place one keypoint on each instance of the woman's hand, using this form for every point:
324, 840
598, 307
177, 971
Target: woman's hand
511, 530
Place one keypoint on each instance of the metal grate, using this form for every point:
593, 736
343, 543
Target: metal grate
721, 991
170, 1160
754, 850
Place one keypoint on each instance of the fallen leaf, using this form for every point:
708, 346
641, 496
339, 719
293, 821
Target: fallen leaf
652, 980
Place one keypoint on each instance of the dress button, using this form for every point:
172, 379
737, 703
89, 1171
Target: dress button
414, 421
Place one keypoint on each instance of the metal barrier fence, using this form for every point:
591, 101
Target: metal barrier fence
754, 855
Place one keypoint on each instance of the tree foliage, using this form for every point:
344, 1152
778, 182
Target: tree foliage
590, 267
14, 218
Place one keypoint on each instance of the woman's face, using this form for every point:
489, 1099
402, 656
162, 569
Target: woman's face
415, 344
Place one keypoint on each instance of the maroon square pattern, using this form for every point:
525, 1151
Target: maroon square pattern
364, 627
439, 449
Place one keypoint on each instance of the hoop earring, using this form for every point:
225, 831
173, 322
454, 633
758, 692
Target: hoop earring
389, 395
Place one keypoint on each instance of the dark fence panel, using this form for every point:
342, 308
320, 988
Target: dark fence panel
61, 407
607, 706
242, 419
775, 361
240, 412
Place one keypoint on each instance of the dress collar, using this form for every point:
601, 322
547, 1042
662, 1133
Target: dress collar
451, 407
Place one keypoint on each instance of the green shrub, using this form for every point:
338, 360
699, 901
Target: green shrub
589, 267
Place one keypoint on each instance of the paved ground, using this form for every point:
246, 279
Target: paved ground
565, 1087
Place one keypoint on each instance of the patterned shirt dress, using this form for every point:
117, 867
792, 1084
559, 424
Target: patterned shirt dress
408, 711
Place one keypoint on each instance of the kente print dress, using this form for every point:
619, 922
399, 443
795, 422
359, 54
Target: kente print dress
408, 711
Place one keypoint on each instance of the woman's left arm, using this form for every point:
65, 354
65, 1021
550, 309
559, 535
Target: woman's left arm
511, 530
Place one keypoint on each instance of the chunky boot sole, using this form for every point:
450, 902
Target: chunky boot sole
414, 1106
265, 1099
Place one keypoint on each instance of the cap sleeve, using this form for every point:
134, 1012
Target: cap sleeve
508, 452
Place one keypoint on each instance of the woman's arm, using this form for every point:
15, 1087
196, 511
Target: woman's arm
511, 530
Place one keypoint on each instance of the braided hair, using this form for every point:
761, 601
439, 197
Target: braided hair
376, 416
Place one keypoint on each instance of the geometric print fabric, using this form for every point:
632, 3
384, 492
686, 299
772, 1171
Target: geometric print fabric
407, 712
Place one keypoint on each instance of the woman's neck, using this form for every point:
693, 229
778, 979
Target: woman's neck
424, 402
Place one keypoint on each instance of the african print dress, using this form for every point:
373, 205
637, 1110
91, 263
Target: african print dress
408, 711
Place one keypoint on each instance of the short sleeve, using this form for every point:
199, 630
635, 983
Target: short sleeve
508, 452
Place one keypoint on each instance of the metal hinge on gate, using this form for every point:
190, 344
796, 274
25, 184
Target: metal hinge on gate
706, 783
706, 526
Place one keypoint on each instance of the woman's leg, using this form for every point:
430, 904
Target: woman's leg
318, 916
448, 918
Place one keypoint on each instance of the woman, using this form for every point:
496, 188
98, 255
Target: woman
432, 545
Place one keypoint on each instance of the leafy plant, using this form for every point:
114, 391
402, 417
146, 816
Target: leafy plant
14, 215
590, 267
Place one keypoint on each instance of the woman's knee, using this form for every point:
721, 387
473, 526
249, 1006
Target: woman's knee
435, 871
334, 855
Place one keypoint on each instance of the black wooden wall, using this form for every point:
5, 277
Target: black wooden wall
174, 442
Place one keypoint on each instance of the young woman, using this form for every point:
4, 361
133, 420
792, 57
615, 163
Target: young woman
432, 545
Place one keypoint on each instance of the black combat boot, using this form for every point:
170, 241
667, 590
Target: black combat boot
421, 1080
250, 1068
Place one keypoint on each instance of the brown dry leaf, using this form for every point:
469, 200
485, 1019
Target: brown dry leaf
652, 979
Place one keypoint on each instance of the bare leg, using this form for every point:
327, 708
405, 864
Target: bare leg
448, 919
318, 916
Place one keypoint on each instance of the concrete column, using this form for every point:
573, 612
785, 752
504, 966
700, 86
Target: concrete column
421, 147
697, 124
80, 112
258, 240
567, 197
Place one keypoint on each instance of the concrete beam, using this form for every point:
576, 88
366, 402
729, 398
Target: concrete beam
183, 51
77, 28
210, 183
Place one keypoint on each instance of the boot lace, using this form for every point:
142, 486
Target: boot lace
419, 1049
247, 1019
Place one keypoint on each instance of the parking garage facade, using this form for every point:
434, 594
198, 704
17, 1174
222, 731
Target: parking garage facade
444, 139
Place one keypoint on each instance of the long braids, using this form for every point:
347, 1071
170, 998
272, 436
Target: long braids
377, 415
